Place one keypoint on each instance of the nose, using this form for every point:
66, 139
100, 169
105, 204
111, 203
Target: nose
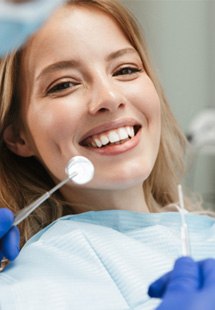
106, 97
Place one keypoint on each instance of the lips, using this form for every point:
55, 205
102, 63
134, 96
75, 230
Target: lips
115, 136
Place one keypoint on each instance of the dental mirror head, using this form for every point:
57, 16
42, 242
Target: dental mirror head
79, 169
82, 168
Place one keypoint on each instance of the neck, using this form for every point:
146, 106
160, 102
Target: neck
88, 200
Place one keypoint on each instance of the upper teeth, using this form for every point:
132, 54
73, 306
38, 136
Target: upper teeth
111, 136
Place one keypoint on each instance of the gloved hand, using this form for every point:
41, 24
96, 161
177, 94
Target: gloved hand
189, 286
9, 235
18, 21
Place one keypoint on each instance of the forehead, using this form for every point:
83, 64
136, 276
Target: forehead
73, 31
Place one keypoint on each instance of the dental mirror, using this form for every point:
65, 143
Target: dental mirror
79, 169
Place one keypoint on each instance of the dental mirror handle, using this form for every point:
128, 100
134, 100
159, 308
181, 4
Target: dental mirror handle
79, 169
22, 214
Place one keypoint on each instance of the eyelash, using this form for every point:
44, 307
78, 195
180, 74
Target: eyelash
68, 84
60, 87
130, 71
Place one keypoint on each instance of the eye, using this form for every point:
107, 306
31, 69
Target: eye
60, 87
127, 71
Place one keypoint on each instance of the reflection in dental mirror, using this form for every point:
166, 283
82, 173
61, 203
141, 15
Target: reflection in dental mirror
79, 169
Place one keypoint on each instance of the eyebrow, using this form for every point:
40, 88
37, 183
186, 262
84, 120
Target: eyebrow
119, 53
60, 65
67, 64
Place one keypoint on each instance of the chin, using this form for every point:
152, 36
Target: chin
120, 182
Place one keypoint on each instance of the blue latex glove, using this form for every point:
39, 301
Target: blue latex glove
19, 21
9, 235
189, 286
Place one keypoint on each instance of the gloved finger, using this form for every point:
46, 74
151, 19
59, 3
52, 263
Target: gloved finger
15, 25
207, 269
184, 277
1, 254
158, 287
10, 243
6, 220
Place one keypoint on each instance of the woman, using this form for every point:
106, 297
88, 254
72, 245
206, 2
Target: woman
168, 152
83, 85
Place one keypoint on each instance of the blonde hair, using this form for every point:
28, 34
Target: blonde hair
25, 179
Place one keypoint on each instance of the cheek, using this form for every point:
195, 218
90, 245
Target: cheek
149, 105
144, 96
151, 100
52, 121
52, 131
146, 100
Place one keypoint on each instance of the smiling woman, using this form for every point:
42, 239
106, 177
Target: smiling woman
100, 101
83, 85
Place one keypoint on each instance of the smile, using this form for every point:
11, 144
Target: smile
111, 137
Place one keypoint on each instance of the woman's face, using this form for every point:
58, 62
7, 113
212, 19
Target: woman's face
85, 92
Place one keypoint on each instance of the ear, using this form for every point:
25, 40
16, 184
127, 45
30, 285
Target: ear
16, 142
